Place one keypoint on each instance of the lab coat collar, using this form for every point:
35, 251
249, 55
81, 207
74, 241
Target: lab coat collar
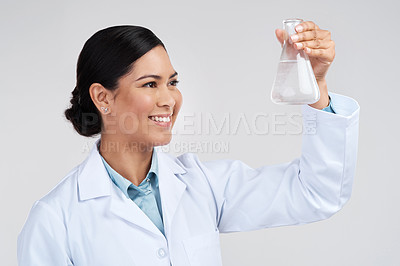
93, 179
94, 182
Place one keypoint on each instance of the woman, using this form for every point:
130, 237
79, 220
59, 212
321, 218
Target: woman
131, 204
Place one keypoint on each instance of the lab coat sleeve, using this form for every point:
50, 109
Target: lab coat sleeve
42, 241
309, 188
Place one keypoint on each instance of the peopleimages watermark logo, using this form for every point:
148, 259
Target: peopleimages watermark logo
206, 124
176, 147
255, 124
197, 147
210, 124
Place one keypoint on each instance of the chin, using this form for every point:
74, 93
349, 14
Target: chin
163, 141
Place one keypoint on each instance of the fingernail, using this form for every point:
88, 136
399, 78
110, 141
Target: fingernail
299, 45
294, 38
299, 28
308, 50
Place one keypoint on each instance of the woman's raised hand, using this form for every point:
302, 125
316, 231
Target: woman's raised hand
318, 45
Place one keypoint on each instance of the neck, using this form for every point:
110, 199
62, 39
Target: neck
130, 159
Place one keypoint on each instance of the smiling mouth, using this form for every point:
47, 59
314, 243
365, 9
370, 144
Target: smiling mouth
163, 121
160, 118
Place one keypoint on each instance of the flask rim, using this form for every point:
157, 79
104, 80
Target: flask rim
290, 20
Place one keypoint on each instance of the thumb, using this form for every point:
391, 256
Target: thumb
281, 35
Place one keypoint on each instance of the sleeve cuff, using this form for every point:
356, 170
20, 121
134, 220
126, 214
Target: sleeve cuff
346, 110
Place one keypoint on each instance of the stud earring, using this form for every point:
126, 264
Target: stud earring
105, 109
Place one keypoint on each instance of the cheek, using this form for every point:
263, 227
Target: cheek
133, 109
141, 104
178, 101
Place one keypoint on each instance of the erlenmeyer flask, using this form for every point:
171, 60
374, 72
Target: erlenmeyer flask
295, 81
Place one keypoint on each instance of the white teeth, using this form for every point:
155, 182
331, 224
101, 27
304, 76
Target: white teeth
160, 119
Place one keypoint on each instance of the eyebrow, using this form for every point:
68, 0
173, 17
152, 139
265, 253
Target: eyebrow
156, 76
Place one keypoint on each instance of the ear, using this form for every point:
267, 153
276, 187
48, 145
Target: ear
101, 97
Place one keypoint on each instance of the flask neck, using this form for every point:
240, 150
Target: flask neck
289, 25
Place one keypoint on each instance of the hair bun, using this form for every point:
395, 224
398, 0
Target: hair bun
84, 122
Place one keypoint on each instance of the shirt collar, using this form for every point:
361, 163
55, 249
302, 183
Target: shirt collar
123, 183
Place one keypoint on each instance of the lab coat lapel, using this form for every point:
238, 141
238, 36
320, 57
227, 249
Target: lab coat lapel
126, 209
170, 186
94, 182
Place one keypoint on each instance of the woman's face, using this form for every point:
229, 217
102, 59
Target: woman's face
146, 94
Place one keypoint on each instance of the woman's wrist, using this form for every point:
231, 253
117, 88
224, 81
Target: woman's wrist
324, 97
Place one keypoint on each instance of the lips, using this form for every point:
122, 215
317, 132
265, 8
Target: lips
161, 115
160, 118
163, 120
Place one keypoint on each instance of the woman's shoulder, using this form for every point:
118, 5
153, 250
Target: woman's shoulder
52, 210
184, 160
189, 161
63, 193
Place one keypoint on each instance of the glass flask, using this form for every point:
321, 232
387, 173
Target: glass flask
295, 81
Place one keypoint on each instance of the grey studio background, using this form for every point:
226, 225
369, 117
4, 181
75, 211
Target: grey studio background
226, 55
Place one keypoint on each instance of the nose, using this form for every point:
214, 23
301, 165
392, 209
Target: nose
165, 98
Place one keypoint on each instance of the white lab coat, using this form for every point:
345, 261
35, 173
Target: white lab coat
86, 220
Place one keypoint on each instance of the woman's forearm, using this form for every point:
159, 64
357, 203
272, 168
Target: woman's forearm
323, 99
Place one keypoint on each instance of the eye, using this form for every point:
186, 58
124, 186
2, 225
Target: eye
151, 84
174, 82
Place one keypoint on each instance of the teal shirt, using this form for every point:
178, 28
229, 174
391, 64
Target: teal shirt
329, 108
146, 195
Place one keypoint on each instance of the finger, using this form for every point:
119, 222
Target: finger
310, 35
315, 44
306, 26
281, 35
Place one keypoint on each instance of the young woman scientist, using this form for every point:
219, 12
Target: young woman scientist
131, 204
